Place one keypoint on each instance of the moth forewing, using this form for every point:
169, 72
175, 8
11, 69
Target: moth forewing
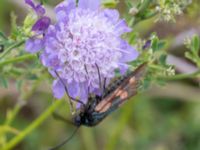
124, 91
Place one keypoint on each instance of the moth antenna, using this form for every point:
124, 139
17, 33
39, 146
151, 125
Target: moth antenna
65, 141
66, 90
99, 75
70, 100
87, 78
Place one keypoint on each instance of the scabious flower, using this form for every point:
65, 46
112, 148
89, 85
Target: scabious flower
84, 48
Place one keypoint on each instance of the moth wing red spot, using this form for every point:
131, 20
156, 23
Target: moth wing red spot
105, 102
123, 92
127, 89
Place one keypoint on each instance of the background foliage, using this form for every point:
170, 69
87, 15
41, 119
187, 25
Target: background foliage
163, 117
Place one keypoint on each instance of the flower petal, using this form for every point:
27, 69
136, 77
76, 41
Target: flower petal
83, 92
58, 89
121, 27
89, 4
34, 45
63, 9
37, 8
42, 24
78, 90
129, 53
73, 89
111, 14
123, 68
30, 3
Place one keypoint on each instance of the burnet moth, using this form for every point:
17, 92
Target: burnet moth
99, 107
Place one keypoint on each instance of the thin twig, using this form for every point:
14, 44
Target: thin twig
33, 125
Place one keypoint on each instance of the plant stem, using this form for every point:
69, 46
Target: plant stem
33, 125
182, 76
10, 48
18, 59
2, 35
140, 15
144, 5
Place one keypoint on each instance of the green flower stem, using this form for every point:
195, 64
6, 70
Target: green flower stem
13, 115
182, 76
18, 59
8, 50
16, 140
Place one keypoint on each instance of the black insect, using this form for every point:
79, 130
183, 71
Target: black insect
98, 107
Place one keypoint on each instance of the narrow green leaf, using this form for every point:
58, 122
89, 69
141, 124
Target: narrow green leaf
161, 45
3, 82
162, 59
155, 44
2, 36
19, 84
110, 3
129, 4
195, 44
189, 55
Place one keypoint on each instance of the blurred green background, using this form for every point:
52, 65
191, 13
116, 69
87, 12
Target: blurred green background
161, 118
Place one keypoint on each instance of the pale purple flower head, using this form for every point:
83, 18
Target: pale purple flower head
85, 47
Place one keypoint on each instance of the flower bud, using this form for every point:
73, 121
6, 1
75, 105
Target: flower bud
133, 11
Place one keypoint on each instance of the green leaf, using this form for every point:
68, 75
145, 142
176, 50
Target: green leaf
133, 38
3, 82
19, 84
155, 44
43, 1
32, 77
129, 4
2, 36
195, 44
110, 3
191, 56
146, 83
28, 22
161, 45
162, 59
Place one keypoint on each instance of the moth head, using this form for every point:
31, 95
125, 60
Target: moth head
78, 119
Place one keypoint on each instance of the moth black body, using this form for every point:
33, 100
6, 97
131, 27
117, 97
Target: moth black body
97, 107
86, 116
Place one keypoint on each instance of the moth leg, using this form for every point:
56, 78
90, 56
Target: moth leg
71, 98
99, 75
87, 78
